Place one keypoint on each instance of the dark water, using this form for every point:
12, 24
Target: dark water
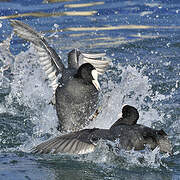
143, 40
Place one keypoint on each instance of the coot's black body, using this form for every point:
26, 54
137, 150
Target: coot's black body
76, 100
75, 97
129, 135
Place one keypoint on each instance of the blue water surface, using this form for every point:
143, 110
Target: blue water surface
142, 38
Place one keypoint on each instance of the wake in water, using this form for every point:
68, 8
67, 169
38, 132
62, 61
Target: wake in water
29, 96
125, 159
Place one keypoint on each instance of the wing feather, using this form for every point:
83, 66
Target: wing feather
72, 143
99, 61
48, 58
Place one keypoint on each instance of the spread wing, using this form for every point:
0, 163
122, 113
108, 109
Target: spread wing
72, 143
48, 58
99, 60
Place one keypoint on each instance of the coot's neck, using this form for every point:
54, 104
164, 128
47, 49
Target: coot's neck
122, 121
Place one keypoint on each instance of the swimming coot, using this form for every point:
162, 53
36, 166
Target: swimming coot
129, 135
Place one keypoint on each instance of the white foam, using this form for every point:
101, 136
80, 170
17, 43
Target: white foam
29, 88
133, 89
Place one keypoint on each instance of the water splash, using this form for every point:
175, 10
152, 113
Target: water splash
6, 63
30, 95
108, 156
134, 89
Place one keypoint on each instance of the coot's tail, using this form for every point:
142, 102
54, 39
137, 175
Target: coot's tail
163, 141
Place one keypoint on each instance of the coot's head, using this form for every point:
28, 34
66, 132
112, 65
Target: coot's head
89, 74
130, 113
